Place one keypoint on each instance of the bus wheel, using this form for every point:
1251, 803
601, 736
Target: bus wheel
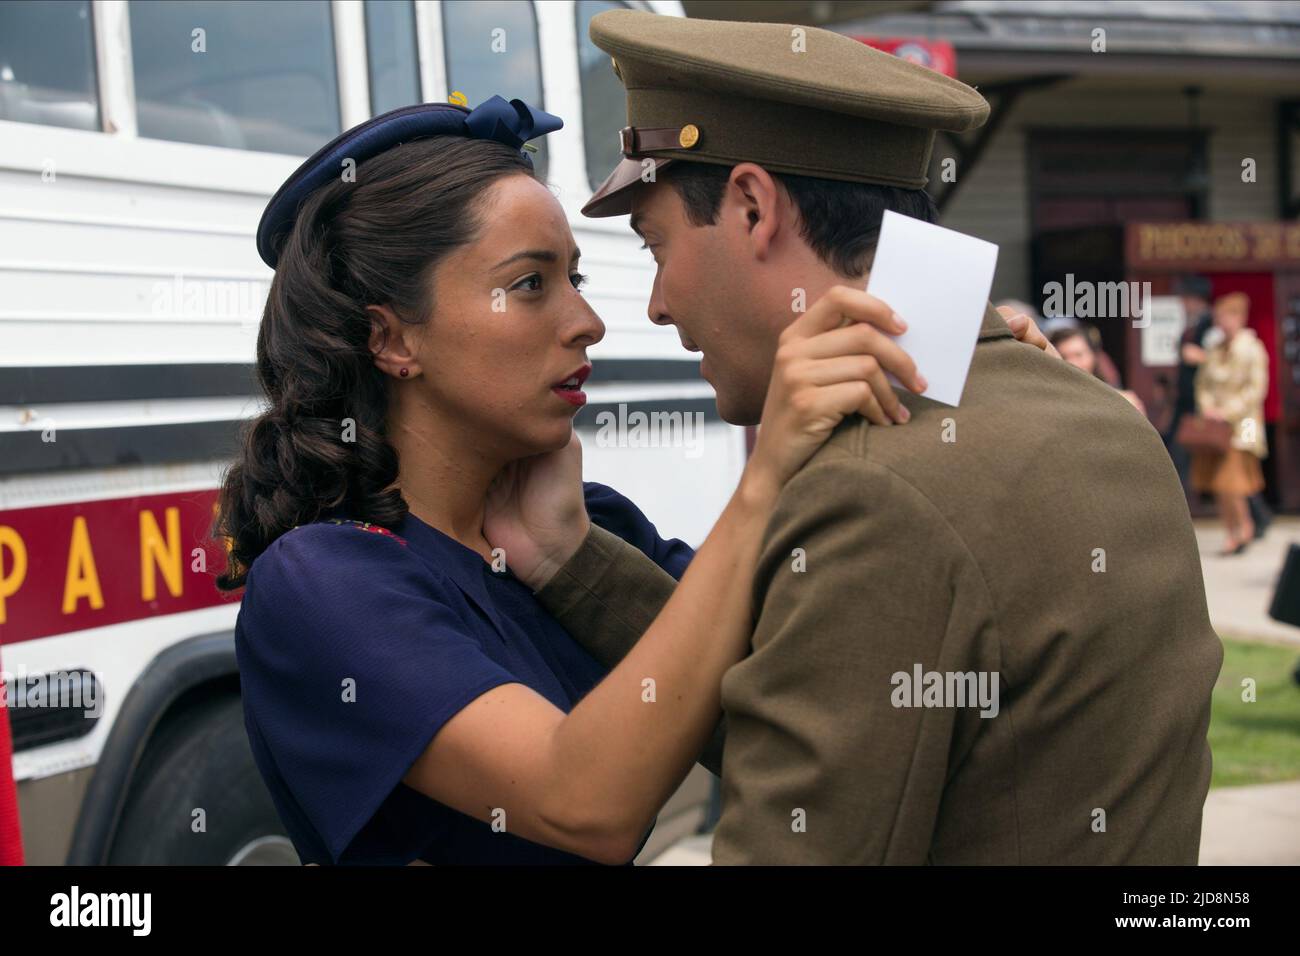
198, 799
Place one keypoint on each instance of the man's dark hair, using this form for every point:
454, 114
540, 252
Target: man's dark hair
839, 220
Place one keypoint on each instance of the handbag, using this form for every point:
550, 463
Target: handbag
1198, 433
1286, 597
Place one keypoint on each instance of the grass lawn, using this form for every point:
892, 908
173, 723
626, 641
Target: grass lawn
1255, 742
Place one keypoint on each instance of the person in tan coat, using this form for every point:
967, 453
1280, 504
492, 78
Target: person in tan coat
1230, 386
981, 637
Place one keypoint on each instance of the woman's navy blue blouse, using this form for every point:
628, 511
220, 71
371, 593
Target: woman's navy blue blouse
355, 647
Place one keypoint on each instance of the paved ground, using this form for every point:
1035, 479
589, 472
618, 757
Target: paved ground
692, 851
1257, 825
1240, 588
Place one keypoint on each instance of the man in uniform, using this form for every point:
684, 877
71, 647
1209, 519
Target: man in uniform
980, 637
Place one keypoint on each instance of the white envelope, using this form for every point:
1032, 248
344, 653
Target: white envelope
938, 281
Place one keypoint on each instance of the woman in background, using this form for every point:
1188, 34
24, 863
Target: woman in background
1075, 346
1230, 387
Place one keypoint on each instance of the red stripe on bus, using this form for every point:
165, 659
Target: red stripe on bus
76, 566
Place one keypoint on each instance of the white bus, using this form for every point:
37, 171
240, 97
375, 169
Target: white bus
139, 143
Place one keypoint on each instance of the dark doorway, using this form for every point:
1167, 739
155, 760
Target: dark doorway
1085, 185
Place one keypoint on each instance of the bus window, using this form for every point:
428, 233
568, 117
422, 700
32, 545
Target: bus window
491, 47
391, 52
201, 76
604, 108
47, 64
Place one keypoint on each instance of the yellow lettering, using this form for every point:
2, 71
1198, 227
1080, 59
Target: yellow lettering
157, 555
82, 580
11, 580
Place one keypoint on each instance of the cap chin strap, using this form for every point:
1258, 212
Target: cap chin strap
635, 140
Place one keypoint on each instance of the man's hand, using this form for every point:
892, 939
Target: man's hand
1026, 330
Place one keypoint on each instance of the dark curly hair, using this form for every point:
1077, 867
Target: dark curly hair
372, 241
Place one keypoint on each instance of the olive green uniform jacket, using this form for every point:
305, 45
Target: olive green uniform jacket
1038, 533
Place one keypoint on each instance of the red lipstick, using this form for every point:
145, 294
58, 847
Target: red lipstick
570, 387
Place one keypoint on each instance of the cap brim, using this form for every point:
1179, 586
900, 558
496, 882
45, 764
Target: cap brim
614, 197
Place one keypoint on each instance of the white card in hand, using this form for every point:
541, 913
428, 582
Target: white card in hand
938, 281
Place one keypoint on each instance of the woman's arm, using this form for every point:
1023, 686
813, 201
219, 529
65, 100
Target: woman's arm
607, 596
1202, 392
592, 780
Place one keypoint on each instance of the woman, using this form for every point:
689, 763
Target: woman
423, 350
1075, 346
1230, 386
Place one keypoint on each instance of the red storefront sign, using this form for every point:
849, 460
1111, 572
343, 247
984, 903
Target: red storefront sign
75, 566
938, 55
1213, 246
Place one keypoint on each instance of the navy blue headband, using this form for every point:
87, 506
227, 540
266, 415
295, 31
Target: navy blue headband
512, 123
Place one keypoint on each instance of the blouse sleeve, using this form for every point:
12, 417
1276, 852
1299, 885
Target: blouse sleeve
350, 662
618, 515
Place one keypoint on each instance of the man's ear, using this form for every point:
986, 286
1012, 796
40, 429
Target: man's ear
390, 342
755, 195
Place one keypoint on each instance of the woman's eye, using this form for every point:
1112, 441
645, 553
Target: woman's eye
532, 283
578, 280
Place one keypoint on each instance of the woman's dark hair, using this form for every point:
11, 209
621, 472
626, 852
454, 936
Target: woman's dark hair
323, 441
839, 220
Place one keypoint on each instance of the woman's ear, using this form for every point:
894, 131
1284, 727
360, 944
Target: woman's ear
390, 343
755, 195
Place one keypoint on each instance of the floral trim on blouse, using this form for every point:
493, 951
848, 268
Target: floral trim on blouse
365, 526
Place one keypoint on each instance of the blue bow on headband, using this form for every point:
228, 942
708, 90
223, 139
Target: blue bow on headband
511, 123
